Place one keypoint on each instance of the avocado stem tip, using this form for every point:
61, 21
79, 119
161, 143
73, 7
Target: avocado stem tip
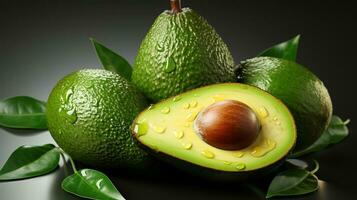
175, 6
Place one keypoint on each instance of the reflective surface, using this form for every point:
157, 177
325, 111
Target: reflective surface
40, 42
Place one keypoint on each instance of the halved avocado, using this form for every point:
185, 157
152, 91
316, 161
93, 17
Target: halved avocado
169, 129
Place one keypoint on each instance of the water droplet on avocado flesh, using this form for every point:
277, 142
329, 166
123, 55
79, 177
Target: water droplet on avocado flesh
267, 148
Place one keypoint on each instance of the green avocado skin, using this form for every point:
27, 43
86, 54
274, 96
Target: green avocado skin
181, 52
89, 115
304, 94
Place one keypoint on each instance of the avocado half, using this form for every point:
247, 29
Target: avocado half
167, 130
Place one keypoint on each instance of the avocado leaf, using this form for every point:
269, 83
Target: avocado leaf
112, 61
23, 112
30, 161
286, 50
91, 184
335, 133
292, 182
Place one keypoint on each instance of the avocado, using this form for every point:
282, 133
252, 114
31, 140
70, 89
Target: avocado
224, 131
304, 93
89, 115
180, 52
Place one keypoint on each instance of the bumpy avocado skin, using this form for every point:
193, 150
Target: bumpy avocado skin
89, 115
181, 52
305, 95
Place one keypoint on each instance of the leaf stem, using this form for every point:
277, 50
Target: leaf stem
317, 167
63, 153
347, 121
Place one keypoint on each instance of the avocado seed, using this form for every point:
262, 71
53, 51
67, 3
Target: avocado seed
228, 125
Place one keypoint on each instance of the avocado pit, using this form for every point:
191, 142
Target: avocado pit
228, 125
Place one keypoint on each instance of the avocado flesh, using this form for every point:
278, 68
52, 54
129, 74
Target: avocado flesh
304, 94
167, 127
181, 52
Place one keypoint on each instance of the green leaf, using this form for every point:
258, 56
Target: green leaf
30, 161
335, 133
112, 61
293, 182
286, 50
23, 112
91, 184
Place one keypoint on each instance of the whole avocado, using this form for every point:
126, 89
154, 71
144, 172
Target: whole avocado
304, 93
89, 115
180, 52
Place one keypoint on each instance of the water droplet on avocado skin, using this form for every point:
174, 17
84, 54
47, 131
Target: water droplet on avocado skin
170, 65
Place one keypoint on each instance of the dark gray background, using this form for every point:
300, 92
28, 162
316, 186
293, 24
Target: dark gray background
42, 41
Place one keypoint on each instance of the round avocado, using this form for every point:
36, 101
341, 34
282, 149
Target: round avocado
180, 52
305, 95
168, 130
89, 114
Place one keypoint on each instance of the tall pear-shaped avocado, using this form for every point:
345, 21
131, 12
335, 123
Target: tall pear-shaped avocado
180, 52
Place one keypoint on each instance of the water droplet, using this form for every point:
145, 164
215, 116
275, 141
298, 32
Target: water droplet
239, 154
187, 146
278, 123
192, 116
240, 166
227, 162
99, 183
170, 65
186, 106
176, 98
270, 143
193, 104
218, 97
165, 110
179, 134
257, 151
263, 113
141, 129
72, 115
275, 119
69, 93
207, 154
150, 107
84, 172
159, 129
267, 146
160, 47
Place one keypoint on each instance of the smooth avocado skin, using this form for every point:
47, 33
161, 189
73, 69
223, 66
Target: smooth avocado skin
166, 130
304, 94
180, 52
89, 115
